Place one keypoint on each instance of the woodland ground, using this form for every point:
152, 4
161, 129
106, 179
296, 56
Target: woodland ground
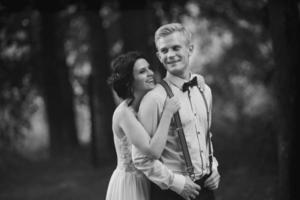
74, 178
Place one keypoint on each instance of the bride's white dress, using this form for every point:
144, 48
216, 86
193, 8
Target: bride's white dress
126, 182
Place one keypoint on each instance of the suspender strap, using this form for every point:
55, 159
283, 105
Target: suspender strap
208, 140
186, 154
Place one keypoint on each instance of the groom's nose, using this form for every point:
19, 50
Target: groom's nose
170, 54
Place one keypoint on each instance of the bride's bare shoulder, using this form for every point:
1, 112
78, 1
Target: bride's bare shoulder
122, 112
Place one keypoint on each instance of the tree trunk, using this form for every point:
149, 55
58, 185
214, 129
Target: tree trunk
101, 100
58, 92
138, 25
135, 26
284, 28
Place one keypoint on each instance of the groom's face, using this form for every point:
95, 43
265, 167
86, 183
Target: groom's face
173, 51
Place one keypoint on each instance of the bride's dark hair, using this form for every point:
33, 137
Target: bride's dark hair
121, 78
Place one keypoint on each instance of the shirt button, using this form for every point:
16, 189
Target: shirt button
188, 144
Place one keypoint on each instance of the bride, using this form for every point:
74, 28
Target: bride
131, 79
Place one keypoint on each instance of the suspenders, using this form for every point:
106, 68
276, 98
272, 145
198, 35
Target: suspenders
185, 151
186, 154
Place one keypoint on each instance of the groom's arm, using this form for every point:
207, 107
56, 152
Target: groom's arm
208, 93
212, 182
149, 114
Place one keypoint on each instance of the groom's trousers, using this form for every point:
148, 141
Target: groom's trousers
159, 194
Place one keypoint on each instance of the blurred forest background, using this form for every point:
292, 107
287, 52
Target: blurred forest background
56, 108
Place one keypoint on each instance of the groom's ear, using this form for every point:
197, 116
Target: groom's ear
158, 56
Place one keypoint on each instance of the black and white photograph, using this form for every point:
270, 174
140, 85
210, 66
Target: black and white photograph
149, 99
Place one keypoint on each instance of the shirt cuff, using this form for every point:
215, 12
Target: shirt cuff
215, 164
178, 183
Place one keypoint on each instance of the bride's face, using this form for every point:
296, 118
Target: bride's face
143, 79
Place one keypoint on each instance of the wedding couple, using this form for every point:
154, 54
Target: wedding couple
154, 161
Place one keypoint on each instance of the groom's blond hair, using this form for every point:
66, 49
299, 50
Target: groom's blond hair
168, 29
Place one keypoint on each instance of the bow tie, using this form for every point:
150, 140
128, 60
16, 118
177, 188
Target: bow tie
190, 83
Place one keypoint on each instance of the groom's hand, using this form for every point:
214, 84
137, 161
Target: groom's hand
190, 190
212, 182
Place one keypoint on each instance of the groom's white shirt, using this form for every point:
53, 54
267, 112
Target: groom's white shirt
169, 171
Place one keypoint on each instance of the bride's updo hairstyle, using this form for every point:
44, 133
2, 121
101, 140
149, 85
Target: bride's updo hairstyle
121, 78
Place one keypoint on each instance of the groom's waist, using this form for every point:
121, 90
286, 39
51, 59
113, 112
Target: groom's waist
178, 166
196, 177
172, 156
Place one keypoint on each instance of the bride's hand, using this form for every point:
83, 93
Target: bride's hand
172, 105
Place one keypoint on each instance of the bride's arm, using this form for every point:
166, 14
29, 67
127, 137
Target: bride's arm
138, 135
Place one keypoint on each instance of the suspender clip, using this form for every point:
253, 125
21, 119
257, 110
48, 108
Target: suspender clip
178, 129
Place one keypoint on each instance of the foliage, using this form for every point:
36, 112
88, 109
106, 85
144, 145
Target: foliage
77, 54
18, 45
233, 51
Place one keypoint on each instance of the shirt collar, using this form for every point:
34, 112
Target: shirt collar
177, 81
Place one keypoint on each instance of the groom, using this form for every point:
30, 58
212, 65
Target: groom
170, 180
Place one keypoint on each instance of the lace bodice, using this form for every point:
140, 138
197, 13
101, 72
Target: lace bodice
123, 149
122, 144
